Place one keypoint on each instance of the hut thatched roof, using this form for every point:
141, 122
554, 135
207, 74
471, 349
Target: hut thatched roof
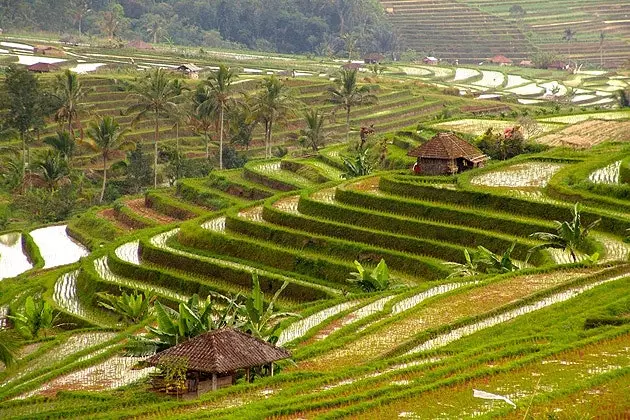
190, 67
223, 350
447, 146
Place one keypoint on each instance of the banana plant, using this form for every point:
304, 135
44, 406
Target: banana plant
260, 321
133, 307
34, 317
371, 281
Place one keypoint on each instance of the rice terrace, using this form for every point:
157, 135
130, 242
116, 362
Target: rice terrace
314, 210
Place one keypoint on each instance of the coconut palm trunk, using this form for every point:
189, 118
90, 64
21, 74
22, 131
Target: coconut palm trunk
155, 149
104, 178
221, 139
347, 123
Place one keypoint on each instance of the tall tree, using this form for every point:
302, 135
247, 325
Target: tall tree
218, 100
25, 105
347, 93
602, 36
69, 93
112, 20
274, 103
568, 36
80, 9
155, 96
107, 136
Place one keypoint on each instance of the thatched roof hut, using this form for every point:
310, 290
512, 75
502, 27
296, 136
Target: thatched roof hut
445, 154
219, 354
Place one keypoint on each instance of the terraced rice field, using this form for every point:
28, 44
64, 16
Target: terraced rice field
588, 134
526, 175
415, 350
479, 126
607, 175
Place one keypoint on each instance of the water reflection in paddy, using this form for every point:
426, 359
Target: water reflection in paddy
56, 247
13, 261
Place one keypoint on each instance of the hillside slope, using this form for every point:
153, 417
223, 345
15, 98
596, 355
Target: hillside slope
473, 30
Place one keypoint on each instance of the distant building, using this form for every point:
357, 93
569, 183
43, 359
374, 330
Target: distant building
352, 66
432, 61
190, 70
526, 63
501, 60
446, 154
49, 51
373, 58
42, 68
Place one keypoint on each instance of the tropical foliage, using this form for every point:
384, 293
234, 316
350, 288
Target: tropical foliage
217, 102
371, 280
570, 234
34, 317
273, 104
107, 136
484, 261
133, 307
155, 96
347, 94
260, 322
314, 135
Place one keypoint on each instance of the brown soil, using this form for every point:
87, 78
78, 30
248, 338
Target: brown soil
588, 133
139, 207
108, 214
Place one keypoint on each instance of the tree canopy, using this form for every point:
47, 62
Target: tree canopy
273, 25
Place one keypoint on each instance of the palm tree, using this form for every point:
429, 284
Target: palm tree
602, 36
348, 94
70, 93
107, 136
199, 120
570, 235
62, 143
313, 135
155, 96
274, 103
179, 88
53, 170
569, 36
8, 346
218, 99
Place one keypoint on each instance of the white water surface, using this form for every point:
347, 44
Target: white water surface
56, 247
13, 261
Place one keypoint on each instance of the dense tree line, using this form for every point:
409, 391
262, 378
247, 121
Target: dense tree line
321, 26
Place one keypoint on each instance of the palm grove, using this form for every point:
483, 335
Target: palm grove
52, 182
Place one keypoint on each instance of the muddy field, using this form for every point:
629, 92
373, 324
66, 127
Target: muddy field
588, 133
